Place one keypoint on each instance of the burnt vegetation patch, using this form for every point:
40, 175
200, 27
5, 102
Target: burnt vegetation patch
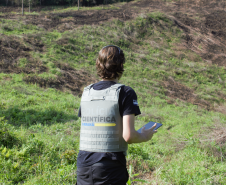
11, 49
203, 23
70, 78
177, 90
70, 20
204, 32
16, 57
35, 42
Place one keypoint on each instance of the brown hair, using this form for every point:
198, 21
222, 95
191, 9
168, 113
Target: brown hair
109, 63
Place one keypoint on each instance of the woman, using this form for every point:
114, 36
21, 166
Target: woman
107, 112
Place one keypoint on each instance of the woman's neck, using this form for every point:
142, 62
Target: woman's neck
111, 79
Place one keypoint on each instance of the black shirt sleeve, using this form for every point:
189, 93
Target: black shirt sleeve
128, 103
79, 112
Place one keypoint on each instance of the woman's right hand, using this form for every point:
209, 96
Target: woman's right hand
148, 134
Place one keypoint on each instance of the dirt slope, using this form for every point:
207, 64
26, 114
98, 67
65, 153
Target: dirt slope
203, 23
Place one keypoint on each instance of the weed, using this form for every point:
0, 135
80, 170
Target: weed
132, 177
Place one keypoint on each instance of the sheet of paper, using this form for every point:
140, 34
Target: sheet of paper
149, 125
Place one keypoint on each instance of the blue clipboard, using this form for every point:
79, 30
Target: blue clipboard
149, 125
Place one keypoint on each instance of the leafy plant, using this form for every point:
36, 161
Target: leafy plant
132, 177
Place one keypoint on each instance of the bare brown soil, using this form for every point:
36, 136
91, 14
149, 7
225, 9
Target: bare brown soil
12, 49
176, 90
204, 32
74, 80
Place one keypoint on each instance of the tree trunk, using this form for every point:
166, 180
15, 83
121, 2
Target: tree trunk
78, 4
22, 7
29, 6
7, 1
40, 2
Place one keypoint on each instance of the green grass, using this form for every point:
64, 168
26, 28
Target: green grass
40, 128
75, 8
35, 116
26, 13
15, 27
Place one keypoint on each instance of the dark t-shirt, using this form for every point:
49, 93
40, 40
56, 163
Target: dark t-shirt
127, 105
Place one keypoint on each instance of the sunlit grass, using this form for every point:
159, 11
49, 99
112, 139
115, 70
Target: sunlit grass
15, 27
43, 122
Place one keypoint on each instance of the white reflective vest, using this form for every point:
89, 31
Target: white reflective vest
101, 122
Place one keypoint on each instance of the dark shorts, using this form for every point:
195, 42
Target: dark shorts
104, 172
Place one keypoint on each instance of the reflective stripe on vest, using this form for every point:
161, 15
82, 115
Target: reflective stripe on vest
101, 122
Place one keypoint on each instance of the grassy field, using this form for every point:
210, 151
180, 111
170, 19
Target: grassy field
39, 127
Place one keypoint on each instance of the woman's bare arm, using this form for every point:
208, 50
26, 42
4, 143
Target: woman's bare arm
130, 135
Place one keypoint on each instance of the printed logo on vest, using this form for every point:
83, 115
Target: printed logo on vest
99, 124
135, 102
99, 119
88, 124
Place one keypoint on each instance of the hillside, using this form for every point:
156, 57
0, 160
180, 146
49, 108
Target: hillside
175, 61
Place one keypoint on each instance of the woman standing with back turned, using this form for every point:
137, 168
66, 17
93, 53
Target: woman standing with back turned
107, 112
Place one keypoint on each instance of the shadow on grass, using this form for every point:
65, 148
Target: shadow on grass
18, 117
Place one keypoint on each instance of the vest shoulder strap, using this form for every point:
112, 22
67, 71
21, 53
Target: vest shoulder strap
114, 89
86, 90
116, 86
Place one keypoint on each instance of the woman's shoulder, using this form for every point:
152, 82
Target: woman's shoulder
128, 90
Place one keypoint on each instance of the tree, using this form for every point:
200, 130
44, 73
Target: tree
78, 4
29, 6
22, 7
